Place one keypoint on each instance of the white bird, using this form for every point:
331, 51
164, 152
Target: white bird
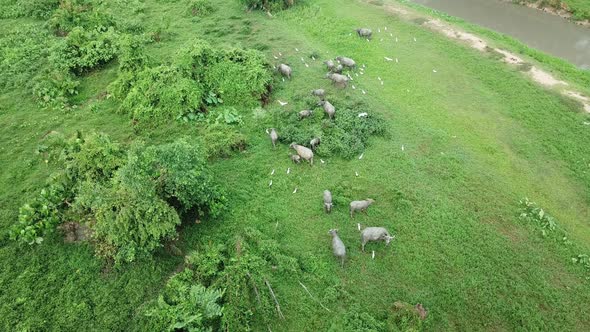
385, 28
586, 123
396, 39
388, 59
350, 34
296, 49
379, 78
322, 161
415, 39
270, 184
288, 170
280, 54
368, 40
391, 35
403, 148
302, 59
358, 225
283, 103
378, 29
381, 39
276, 57
373, 255
306, 65
364, 92
313, 57
363, 65
381, 82
396, 60
407, 90
362, 73
362, 115
294, 191
361, 156
356, 74
434, 70
273, 172
356, 173
283, 79
353, 87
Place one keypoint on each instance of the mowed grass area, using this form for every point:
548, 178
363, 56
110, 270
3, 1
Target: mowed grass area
477, 137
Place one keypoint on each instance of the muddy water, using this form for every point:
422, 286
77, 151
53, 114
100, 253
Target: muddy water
543, 31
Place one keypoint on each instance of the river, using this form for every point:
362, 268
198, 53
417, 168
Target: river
543, 31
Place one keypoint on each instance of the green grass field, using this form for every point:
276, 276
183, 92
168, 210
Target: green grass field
467, 138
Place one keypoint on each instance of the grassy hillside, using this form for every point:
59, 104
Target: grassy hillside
466, 139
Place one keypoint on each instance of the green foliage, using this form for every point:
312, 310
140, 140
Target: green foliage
206, 263
186, 305
202, 76
531, 212
239, 76
200, 7
244, 279
84, 50
27, 8
42, 214
223, 140
132, 57
129, 216
53, 88
268, 5
132, 198
23, 52
85, 14
135, 212
162, 93
346, 136
357, 320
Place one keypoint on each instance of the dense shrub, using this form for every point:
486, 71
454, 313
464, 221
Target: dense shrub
84, 50
27, 8
268, 5
23, 53
132, 199
240, 77
53, 87
200, 7
201, 76
346, 136
84, 14
159, 93
132, 56
223, 140
186, 305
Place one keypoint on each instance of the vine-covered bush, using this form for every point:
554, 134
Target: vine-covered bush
200, 77
346, 135
133, 199
186, 305
84, 14
160, 93
267, 5
200, 7
27, 8
23, 52
83, 50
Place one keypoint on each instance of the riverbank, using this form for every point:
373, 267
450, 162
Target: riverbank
576, 11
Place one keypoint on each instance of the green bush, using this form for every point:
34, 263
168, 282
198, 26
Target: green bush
240, 77
84, 14
160, 93
132, 57
41, 215
201, 76
186, 305
200, 7
223, 140
84, 50
23, 53
345, 136
54, 87
267, 5
39, 9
